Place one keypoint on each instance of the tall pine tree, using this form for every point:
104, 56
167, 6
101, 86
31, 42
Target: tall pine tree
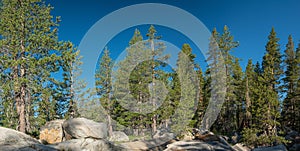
104, 86
29, 34
290, 83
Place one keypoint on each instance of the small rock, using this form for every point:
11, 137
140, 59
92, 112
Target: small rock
241, 147
163, 133
188, 136
118, 136
206, 136
83, 128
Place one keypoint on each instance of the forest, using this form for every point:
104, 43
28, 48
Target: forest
40, 81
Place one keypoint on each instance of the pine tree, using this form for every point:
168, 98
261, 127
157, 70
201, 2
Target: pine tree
138, 84
104, 86
265, 107
137, 37
29, 34
215, 79
202, 104
272, 71
297, 91
189, 89
238, 97
151, 37
74, 86
249, 94
226, 44
290, 80
138, 79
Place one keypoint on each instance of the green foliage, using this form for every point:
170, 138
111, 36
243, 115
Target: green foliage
31, 57
189, 89
30, 54
219, 57
252, 138
265, 105
289, 116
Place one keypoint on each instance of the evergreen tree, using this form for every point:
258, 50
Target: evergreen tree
265, 107
29, 34
138, 83
297, 91
272, 71
290, 81
73, 86
249, 94
238, 94
214, 87
137, 37
226, 44
154, 53
104, 86
202, 103
141, 75
189, 90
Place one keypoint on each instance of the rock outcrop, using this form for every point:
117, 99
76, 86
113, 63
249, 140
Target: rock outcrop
11, 140
52, 132
84, 128
83, 134
88, 144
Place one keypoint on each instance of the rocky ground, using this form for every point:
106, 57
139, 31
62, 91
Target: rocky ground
82, 134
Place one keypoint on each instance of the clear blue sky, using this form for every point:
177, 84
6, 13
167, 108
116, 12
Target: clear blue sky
249, 21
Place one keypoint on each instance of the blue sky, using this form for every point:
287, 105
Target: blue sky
249, 21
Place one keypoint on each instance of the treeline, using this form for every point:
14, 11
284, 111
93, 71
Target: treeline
253, 105
39, 82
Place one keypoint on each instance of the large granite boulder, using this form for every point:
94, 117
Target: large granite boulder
118, 136
84, 128
87, 144
12, 140
52, 132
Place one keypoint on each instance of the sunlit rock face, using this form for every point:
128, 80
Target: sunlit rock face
52, 132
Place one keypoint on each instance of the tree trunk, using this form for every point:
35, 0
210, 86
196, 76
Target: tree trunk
20, 93
22, 111
248, 104
110, 128
154, 122
28, 111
